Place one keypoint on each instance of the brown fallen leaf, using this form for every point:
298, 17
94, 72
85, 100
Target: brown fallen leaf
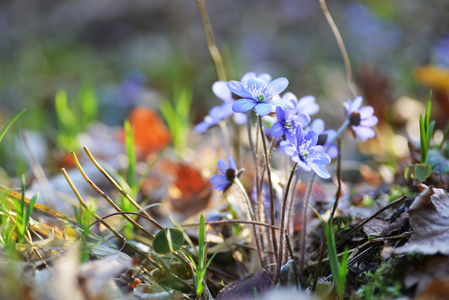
429, 218
244, 288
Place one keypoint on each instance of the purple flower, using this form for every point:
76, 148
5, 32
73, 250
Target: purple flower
228, 172
258, 94
305, 152
216, 114
326, 138
287, 122
221, 91
305, 105
360, 119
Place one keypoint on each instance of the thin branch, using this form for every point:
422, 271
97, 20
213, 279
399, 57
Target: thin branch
341, 45
106, 197
213, 49
120, 189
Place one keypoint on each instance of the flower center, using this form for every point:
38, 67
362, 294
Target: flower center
304, 154
355, 118
260, 98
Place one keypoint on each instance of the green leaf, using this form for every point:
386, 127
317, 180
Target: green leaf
201, 243
423, 171
428, 109
422, 139
10, 124
168, 240
131, 153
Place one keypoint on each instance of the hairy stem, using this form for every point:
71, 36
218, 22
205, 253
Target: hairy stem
270, 186
304, 223
251, 217
282, 231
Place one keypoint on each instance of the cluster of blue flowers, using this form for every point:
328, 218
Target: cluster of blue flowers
308, 144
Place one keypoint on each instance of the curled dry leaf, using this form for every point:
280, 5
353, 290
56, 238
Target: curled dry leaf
429, 218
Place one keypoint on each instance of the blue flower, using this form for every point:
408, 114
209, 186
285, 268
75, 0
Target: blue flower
305, 105
228, 172
216, 114
360, 119
287, 122
258, 94
221, 91
305, 152
326, 138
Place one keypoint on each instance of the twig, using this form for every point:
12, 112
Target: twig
347, 235
120, 189
213, 49
106, 197
341, 45
232, 222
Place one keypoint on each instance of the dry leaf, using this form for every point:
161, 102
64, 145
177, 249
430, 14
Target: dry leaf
429, 218
150, 133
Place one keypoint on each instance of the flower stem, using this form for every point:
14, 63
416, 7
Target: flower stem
251, 217
304, 223
341, 45
282, 231
270, 186
213, 49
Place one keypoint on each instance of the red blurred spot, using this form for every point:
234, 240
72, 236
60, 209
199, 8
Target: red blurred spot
150, 133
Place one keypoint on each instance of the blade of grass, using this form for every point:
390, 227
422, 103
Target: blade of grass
10, 124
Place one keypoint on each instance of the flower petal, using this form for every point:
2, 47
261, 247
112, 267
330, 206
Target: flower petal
321, 158
369, 122
222, 166
203, 126
366, 112
289, 96
312, 136
221, 90
282, 103
333, 151
317, 126
232, 163
356, 104
280, 115
364, 132
239, 89
247, 77
288, 148
243, 105
219, 179
256, 84
320, 171
265, 77
302, 165
277, 130
263, 108
240, 118
307, 105
276, 87
303, 119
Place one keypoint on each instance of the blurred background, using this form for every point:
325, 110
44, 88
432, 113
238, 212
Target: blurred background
124, 54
